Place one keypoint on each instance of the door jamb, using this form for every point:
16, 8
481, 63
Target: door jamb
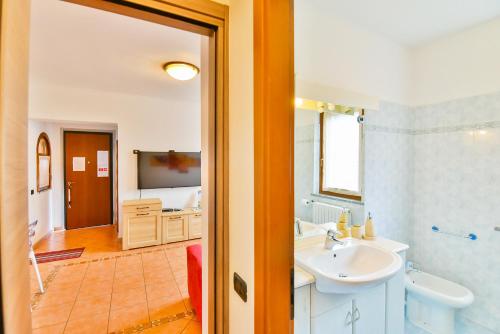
274, 156
211, 19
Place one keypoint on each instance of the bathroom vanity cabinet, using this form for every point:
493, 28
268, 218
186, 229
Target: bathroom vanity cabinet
361, 313
376, 310
302, 319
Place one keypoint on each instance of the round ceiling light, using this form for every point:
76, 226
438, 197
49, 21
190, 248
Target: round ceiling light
180, 70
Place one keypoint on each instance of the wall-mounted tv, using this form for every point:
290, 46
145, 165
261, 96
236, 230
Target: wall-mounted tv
168, 169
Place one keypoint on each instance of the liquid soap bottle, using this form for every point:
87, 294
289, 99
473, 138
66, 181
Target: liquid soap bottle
369, 229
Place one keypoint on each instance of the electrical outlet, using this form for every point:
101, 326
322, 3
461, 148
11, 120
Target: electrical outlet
240, 286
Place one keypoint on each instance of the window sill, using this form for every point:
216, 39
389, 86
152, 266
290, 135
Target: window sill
338, 199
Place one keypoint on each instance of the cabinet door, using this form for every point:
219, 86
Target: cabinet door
143, 229
175, 228
369, 311
195, 226
335, 321
302, 310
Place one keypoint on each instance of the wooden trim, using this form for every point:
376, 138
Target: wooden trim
43, 136
341, 195
14, 63
273, 140
165, 13
322, 190
209, 19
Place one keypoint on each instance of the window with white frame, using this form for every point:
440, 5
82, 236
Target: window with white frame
341, 154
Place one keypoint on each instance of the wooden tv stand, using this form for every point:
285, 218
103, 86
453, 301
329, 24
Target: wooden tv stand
144, 224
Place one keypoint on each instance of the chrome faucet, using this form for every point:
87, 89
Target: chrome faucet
298, 227
331, 239
411, 266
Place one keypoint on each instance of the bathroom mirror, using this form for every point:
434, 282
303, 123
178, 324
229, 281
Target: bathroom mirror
43, 156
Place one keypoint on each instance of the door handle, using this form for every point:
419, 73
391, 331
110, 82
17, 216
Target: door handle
348, 318
357, 315
70, 184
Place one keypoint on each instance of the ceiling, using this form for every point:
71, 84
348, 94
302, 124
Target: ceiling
76, 46
412, 22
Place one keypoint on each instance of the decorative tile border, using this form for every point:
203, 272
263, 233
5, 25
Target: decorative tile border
155, 323
458, 128
435, 130
35, 299
387, 129
113, 257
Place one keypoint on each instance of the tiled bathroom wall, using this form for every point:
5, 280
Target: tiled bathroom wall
440, 165
388, 169
430, 165
456, 185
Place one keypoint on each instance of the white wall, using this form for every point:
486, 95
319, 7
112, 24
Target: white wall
337, 53
462, 65
143, 123
241, 175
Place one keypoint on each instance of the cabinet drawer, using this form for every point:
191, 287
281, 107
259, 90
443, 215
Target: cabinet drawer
195, 226
142, 208
174, 228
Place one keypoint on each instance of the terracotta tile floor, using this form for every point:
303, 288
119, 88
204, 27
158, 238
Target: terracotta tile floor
107, 290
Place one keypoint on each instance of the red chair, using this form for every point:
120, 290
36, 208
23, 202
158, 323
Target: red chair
194, 264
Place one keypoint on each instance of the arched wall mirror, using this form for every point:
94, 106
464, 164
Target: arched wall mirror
43, 163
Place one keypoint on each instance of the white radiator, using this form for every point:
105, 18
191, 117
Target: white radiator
327, 213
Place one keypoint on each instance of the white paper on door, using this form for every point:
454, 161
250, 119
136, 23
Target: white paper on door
78, 164
102, 163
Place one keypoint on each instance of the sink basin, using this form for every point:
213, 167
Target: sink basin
348, 268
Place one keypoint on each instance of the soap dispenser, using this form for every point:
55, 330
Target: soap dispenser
369, 229
356, 231
343, 225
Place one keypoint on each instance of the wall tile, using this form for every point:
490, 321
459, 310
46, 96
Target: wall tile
424, 166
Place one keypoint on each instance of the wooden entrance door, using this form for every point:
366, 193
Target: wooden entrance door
88, 179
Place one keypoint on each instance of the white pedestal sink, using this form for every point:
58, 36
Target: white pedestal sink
348, 268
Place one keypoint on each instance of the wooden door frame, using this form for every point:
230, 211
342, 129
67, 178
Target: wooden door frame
111, 172
210, 19
274, 139
204, 17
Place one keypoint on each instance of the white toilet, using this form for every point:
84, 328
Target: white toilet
431, 301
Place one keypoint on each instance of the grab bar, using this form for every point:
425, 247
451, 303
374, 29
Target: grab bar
470, 236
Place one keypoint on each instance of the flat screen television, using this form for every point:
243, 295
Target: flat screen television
168, 169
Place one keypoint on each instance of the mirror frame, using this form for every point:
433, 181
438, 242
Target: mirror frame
43, 137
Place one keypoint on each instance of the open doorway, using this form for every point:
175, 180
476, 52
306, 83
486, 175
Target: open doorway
145, 268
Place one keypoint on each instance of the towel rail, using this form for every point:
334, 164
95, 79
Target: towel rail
471, 236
